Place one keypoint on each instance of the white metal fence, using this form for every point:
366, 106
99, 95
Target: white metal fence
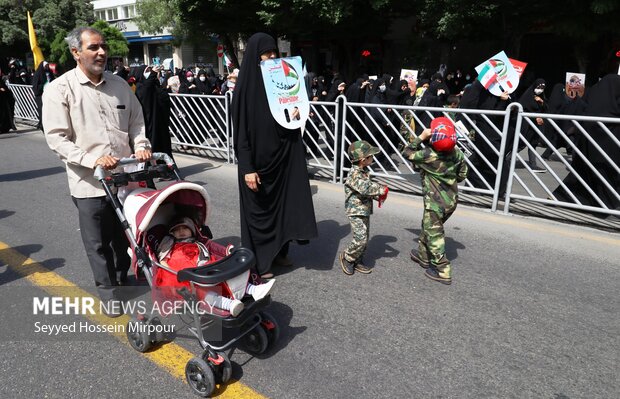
574, 172
25, 104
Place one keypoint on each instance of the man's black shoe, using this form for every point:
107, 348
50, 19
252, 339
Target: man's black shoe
112, 308
433, 274
415, 257
347, 267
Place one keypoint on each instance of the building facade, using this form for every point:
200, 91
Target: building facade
152, 49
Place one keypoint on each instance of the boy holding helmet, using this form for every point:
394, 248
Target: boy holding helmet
442, 166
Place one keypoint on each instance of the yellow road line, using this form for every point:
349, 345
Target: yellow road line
508, 220
170, 357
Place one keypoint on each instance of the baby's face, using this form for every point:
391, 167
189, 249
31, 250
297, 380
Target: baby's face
182, 232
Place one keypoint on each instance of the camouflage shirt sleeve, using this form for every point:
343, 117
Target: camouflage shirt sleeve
418, 155
462, 171
360, 182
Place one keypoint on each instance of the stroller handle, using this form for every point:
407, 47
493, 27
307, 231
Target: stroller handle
156, 156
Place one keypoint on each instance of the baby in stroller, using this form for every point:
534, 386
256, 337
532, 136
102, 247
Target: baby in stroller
181, 249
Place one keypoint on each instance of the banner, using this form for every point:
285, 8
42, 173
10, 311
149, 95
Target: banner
409, 75
498, 75
34, 45
575, 84
519, 66
286, 91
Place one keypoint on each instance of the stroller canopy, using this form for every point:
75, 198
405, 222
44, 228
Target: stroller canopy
145, 208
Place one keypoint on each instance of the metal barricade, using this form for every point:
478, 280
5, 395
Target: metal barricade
573, 172
201, 121
25, 104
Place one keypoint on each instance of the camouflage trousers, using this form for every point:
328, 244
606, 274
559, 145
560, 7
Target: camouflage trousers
432, 243
360, 226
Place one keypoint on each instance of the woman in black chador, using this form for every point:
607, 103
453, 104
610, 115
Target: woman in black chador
603, 100
561, 104
274, 191
7, 107
156, 109
533, 100
477, 97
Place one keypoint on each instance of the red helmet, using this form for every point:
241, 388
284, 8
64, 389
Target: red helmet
443, 137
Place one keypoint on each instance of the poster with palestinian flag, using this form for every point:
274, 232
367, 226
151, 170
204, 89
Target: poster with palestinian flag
498, 75
286, 91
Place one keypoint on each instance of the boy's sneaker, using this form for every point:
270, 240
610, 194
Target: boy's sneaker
433, 274
362, 269
414, 257
347, 267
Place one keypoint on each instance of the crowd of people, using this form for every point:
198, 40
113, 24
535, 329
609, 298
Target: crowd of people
452, 89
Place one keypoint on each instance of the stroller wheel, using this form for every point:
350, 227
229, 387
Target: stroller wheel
200, 377
138, 335
222, 369
256, 341
271, 327
225, 370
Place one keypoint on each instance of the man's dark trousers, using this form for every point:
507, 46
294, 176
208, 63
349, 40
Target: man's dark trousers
104, 241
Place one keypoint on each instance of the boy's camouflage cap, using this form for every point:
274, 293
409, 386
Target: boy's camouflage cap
361, 149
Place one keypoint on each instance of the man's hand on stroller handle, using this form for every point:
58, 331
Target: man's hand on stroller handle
143, 155
107, 162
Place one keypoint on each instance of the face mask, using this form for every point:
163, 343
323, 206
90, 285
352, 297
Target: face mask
538, 91
381, 89
202, 78
190, 79
147, 74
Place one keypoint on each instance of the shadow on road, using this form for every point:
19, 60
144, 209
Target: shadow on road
5, 214
31, 174
20, 267
195, 169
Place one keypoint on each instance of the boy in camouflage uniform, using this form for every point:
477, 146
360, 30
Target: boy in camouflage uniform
359, 192
442, 166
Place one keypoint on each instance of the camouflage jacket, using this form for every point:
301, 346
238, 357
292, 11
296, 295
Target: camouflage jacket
440, 174
359, 191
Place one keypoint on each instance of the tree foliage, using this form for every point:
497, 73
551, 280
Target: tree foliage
114, 38
49, 17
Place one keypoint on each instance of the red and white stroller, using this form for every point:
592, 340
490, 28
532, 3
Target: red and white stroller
144, 215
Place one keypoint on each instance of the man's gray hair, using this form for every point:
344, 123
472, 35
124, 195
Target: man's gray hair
74, 38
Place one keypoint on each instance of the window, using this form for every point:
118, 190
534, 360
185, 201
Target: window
112, 14
129, 11
100, 15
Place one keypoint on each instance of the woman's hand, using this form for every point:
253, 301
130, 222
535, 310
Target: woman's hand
252, 180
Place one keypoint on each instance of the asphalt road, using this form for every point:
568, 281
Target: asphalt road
532, 311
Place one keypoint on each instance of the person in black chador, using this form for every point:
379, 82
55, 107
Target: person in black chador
533, 100
7, 107
274, 191
155, 107
378, 123
603, 100
477, 97
42, 76
561, 104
